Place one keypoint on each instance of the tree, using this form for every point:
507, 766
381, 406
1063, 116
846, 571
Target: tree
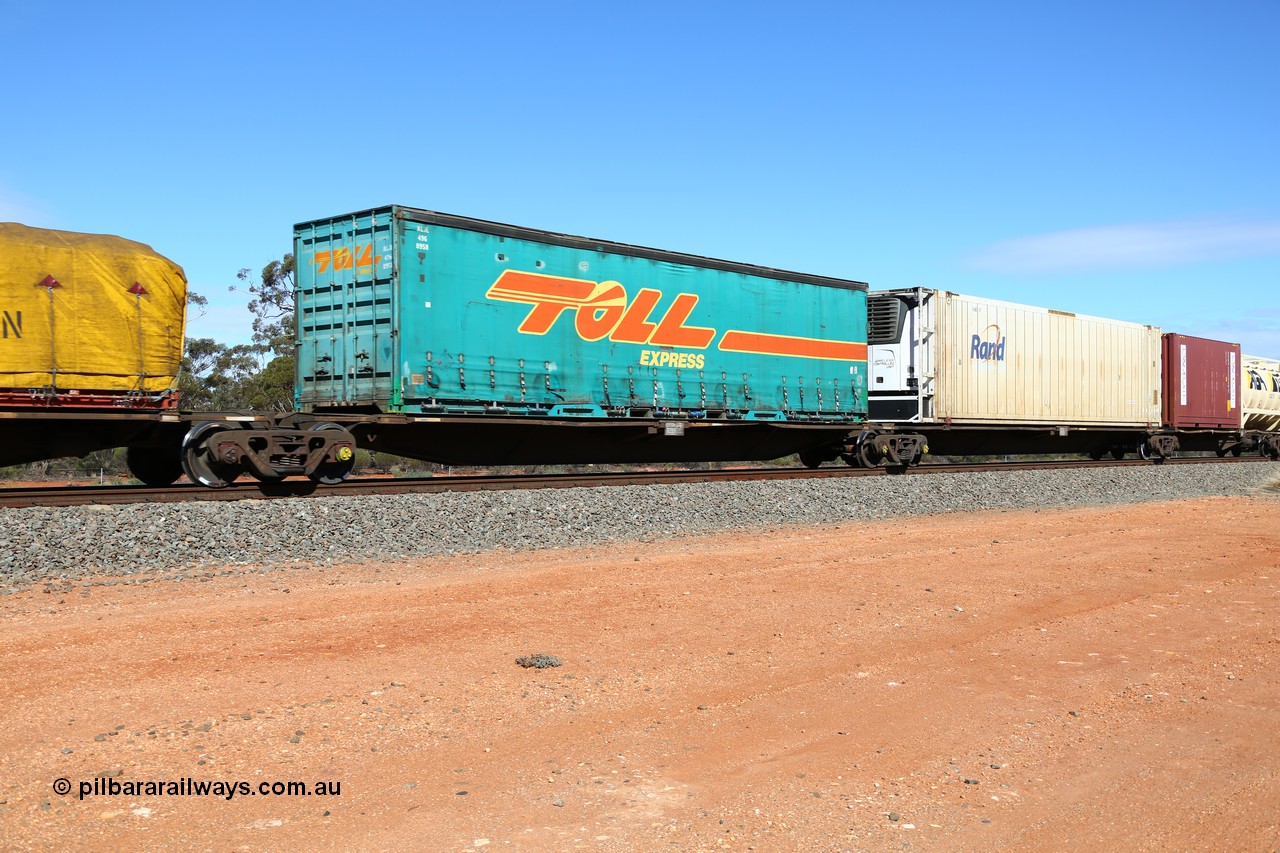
205, 379
271, 388
272, 306
258, 375
216, 377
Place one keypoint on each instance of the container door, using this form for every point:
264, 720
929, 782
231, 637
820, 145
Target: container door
345, 310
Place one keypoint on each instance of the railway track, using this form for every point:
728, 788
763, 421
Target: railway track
55, 496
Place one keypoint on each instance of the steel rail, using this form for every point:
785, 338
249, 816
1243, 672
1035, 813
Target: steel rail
62, 496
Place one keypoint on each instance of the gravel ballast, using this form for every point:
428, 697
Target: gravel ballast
187, 539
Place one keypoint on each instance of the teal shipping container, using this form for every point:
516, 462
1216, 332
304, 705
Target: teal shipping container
408, 311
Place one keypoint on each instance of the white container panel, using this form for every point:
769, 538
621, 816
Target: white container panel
1002, 362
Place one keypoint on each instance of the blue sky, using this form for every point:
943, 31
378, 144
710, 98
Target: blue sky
1116, 159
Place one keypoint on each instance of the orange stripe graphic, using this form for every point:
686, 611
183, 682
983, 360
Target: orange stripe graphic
516, 285
758, 342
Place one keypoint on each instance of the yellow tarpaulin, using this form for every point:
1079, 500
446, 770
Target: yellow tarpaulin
88, 312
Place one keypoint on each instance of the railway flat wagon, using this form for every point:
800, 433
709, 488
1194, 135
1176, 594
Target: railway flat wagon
980, 375
471, 342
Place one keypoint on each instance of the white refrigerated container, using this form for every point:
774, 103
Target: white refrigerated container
940, 357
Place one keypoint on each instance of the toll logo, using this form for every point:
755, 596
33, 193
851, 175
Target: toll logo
601, 309
604, 310
988, 346
346, 258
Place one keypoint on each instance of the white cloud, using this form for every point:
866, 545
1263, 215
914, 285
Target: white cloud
1134, 246
1258, 335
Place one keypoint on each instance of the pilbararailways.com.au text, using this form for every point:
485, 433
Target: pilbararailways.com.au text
103, 786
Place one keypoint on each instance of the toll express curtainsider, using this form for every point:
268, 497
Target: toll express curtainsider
495, 343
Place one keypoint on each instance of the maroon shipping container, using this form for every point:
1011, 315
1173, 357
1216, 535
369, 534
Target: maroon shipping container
1201, 383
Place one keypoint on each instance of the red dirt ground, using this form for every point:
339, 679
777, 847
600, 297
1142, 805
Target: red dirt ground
1100, 678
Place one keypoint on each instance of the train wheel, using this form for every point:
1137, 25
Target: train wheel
154, 466
868, 456
1097, 453
1152, 454
810, 459
199, 462
1237, 450
333, 472
1117, 453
